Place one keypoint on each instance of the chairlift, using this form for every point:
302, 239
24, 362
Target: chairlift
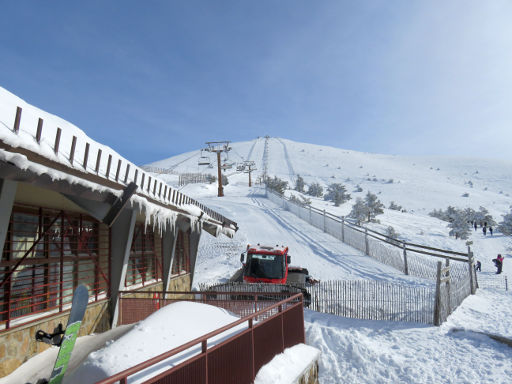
203, 160
225, 166
240, 167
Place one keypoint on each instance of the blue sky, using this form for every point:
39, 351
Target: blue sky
153, 79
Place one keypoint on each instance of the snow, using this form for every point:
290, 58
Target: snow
286, 367
167, 328
362, 351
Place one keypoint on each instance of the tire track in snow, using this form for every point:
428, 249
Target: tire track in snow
288, 162
348, 262
252, 149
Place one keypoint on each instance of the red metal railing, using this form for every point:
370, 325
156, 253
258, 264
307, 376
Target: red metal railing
47, 253
271, 327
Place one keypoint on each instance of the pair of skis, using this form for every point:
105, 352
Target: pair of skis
65, 339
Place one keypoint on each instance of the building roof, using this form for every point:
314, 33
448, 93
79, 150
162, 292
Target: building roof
38, 147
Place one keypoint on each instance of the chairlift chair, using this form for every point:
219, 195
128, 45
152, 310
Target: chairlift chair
203, 160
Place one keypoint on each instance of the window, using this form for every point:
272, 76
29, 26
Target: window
47, 253
181, 261
144, 264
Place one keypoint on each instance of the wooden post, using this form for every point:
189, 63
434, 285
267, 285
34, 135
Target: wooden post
127, 173
39, 130
118, 169
57, 141
86, 155
109, 164
406, 265
17, 120
72, 153
448, 283
343, 229
366, 244
324, 220
471, 266
98, 161
437, 304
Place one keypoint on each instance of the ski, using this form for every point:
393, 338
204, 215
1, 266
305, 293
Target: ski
66, 339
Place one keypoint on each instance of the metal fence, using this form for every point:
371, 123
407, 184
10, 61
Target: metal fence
406, 257
376, 300
194, 178
271, 326
492, 281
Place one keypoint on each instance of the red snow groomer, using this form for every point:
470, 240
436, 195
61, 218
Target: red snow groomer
271, 265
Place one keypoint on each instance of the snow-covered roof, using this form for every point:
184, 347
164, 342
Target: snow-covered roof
44, 144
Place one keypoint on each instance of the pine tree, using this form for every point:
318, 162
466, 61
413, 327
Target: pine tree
359, 211
277, 185
391, 235
337, 193
374, 206
505, 226
459, 226
316, 190
394, 206
299, 184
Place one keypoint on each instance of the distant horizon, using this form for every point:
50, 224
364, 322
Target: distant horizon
408, 78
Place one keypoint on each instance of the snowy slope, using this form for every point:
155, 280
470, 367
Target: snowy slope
419, 185
357, 351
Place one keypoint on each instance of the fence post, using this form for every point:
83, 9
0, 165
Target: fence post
366, 245
406, 265
437, 304
448, 285
506, 283
324, 220
343, 229
471, 271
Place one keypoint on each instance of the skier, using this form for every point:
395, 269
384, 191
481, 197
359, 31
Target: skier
490, 230
484, 230
475, 225
478, 266
498, 262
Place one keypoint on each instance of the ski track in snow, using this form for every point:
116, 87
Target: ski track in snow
288, 161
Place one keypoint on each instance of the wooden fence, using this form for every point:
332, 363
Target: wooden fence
77, 155
374, 300
193, 178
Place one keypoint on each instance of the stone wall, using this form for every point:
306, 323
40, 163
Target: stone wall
19, 344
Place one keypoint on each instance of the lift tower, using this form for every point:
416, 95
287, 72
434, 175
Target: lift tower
218, 147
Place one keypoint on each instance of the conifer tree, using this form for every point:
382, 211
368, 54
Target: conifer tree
459, 226
374, 206
315, 189
337, 193
505, 226
299, 184
359, 211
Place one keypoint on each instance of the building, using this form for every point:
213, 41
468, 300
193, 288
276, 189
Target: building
73, 211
